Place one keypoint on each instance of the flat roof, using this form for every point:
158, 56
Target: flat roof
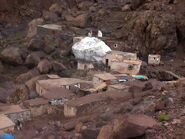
105, 76
9, 109
127, 55
54, 93
86, 100
60, 82
122, 53
100, 97
36, 102
51, 26
53, 76
5, 122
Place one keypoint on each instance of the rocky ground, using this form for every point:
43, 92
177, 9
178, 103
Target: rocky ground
145, 26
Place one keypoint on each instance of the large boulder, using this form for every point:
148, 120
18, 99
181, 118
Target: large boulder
20, 94
32, 27
31, 84
44, 66
56, 8
50, 16
150, 32
12, 55
79, 21
130, 126
57, 66
36, 44
106, 132
28, 75
144, 31
7, 89
34, 58
90, 133
84, 5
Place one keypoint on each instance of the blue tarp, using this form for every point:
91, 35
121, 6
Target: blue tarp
7, 136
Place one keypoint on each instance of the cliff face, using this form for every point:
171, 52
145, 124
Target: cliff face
146, 26
16, 11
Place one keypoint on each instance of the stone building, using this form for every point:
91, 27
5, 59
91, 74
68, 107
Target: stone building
43, 86
82, 65
15, 113
74, 107
58, 93
38, 106
122, 62
6, 124
154, 59
103, 77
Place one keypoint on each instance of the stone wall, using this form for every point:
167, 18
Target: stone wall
21, 116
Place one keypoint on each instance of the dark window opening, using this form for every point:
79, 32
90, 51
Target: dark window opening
130, 67
107, 62
85, 67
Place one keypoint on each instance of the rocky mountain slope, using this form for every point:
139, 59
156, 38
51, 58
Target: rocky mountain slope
142, 26
146, 26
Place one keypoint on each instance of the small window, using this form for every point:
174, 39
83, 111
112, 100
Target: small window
107, 62
115, 45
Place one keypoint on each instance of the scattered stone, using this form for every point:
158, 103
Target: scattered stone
131, 126
48, 49
34, 58
126, 8
70, 125
176, 121
58, 124
148, 86
84, 5
36, 44
160, 105
12, 55
32, 27
90, 133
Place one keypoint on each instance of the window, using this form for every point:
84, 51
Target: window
130, 67
107, 62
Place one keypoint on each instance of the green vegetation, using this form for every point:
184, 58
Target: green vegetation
163, 117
